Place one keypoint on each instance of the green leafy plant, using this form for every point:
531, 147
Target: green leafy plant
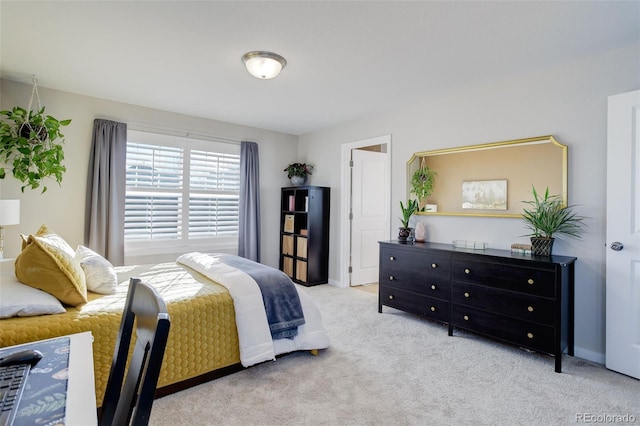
548, 217
408, 211
31, 146
298, 169
422, 182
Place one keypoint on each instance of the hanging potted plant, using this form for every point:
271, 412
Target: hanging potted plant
407, 211
298, 173
422, 182
548, 217
31, 145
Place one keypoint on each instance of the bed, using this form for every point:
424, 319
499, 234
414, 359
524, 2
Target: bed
211, 335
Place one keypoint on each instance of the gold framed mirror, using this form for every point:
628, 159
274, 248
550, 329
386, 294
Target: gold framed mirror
491, 179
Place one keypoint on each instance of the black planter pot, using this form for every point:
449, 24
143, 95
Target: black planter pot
541, 246
404, 233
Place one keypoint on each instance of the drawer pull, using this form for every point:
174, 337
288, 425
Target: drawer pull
434, 265
433, 286
391, 297
466, 295
392, 258
391, 278
530, 281
530, 308
530, 335
467, 271
433, 309
466, 317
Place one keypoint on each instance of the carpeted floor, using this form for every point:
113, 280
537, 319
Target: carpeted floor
394, 368
371, 288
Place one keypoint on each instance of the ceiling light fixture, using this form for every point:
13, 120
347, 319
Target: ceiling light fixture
263, 65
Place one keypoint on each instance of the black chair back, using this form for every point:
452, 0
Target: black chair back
130, 403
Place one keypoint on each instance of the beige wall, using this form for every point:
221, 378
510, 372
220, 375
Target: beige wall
62, 207
569, 102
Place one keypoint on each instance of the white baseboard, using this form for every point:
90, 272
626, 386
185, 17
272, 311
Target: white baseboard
336, 283
589, 355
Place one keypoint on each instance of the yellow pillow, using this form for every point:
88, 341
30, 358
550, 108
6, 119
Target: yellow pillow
47, 263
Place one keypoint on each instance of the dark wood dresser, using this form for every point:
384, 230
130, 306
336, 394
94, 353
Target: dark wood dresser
519, 299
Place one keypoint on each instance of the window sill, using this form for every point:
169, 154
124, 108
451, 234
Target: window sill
169, 253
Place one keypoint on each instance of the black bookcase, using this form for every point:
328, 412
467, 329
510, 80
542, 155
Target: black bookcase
304, 234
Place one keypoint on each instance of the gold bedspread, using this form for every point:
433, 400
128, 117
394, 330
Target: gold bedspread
203, 335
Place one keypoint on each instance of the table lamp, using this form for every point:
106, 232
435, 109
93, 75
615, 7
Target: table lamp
9, 215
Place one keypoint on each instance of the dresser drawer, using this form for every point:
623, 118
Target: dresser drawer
522, 333
423, 285
540, 282
508, 303
414, 303
421, 272
396, 261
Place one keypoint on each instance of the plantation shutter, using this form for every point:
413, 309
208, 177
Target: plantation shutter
154, 192
213, 201
175, 192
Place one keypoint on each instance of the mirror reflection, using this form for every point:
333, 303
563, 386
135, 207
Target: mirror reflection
490, 179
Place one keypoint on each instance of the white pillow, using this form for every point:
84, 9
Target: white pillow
21, 300
99, 272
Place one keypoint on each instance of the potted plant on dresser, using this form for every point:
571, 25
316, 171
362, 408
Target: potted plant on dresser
548, 217
407, 211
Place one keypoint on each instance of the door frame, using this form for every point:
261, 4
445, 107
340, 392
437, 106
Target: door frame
345, 223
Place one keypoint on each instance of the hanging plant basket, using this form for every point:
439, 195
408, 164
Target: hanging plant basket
31, 144
422, 182
27, 131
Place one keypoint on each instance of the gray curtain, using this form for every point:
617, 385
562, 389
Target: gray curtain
106, 186
249, 226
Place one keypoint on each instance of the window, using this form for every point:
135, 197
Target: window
181, 192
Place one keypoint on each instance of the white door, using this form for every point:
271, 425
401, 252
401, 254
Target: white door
623, 234
370, 209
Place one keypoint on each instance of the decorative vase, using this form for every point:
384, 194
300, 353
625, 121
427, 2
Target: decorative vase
298, 180
541, 246
404, 233
421, 232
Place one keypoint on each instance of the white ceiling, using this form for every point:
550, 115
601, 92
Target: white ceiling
346, 59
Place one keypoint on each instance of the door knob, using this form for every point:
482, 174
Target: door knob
616, 246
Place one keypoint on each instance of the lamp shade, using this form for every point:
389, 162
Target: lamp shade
9, 212
263, 65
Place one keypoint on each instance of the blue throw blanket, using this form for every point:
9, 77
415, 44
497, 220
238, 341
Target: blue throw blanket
280, 297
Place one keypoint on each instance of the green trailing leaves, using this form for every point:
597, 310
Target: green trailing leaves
31, 144
422, 182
